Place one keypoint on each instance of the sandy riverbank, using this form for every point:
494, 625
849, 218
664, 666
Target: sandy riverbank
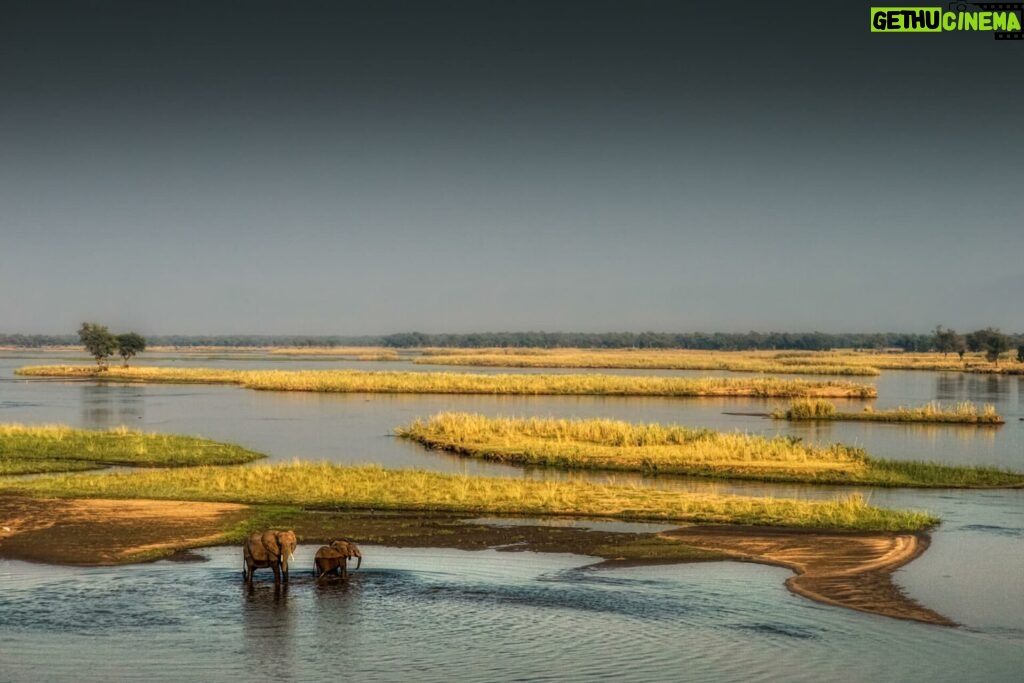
850, 570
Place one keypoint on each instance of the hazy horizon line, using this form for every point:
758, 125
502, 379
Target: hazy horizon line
529, 331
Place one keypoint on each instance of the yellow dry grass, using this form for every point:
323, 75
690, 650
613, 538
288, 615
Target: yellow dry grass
326, 486
672, 449
617, 445
667, 359
467, 383
933, 412
838, 362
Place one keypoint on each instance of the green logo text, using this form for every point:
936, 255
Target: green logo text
934, 20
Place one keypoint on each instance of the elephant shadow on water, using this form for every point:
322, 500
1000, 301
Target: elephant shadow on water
269, 627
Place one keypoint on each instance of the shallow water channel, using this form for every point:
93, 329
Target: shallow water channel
490, 615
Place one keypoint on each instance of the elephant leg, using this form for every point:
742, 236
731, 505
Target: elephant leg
277, 572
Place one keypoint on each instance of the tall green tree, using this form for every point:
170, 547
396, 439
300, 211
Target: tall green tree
995, 344
991, 341
130, 344
974, 340
947, 340
98, 341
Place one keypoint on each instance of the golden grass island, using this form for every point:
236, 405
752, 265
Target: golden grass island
837, 362
355, 381
337, 487
933, 412
186, 473
671, 449
728, 361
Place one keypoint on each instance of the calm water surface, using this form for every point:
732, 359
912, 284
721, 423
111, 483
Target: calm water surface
452, 615
440, 615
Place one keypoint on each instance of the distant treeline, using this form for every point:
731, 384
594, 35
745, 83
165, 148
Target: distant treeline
808, 341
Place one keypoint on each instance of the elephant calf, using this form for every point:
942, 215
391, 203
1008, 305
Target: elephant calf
333, 558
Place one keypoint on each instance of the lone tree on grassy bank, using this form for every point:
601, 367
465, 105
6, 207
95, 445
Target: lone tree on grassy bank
948, 340
991, 341
130, 344
98, 341
995, 343
101, 344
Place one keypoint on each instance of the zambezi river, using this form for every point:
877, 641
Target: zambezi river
493, 615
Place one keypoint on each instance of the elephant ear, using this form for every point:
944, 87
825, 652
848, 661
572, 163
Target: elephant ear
270, 542
354, 552
288, 541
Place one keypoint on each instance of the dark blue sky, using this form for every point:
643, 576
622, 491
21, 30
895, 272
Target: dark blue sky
371, 167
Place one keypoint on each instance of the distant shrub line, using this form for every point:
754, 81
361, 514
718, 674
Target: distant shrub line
720, 341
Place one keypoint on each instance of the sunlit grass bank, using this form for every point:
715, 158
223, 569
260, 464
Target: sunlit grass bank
328, 486
839, 362
961, 413
626, 358
671, 449
466, 383
136, 374
37, 449
367, 353
934, 361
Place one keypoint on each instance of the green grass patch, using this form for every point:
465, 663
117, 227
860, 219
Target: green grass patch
326, 486
671, 449
32, 450
15, 465
355, 381
933, 412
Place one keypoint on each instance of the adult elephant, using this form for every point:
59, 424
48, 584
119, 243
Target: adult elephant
333, 558
268, 549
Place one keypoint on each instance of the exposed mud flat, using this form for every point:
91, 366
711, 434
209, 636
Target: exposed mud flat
852, 570
89, 532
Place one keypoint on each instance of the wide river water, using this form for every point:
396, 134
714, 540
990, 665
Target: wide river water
489, 615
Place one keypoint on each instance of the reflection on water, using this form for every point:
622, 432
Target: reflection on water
447, 615
268, 630
956, 386
106, 406
950, 386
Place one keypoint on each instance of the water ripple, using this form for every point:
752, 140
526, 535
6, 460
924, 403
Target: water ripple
446, 615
